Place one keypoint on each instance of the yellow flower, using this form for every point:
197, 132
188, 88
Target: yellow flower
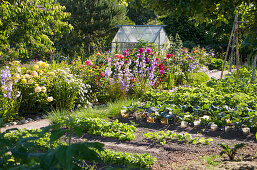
38, 89
43, 89
24, 81
52, 73
3, 88
50, 99
36, 85
35, 67
34, 74
28, 71
39, 63
47, 65
27, 76
43, 64
30, 81
40, 72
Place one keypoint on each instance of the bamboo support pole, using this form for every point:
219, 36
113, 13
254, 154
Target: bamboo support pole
229, 42
254, 66
237, 52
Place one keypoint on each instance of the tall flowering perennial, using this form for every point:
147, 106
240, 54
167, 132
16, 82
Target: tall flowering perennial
9, 93
130, 71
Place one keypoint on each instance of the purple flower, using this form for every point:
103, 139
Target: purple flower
192, 66
9, 95
108, 72
5, 95
141, 50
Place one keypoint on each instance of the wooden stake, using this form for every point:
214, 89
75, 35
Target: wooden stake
237, 51
232, 52
254, 66
229, 42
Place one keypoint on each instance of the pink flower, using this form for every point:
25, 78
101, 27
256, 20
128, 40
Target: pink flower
88, 63
141, 50
108, 59
117, 56
161, 72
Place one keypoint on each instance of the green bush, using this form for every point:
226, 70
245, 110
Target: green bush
215, 63
198, 78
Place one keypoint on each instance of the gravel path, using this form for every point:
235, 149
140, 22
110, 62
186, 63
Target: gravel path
32, 125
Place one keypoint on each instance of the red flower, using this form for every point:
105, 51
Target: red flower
121, 56
102, 74
169, 55
161, 67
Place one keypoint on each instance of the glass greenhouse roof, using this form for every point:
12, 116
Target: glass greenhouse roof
128, 36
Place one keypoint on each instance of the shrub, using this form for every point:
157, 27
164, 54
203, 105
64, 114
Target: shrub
215, 63
198, 78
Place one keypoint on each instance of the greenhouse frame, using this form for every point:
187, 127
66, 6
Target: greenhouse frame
128, 36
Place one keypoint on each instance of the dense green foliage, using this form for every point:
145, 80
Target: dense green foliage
223, 102
94, 24
29, 27
41, 150
127, 159
215, 63
163, 137
96, 126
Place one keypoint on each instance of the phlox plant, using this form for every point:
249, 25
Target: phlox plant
92, 74
175, 68
131, 72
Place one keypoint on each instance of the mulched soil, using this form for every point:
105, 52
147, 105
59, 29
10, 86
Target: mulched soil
176, 155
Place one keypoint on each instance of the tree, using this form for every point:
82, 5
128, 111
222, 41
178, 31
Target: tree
140, 16
29, 27
94, 23
203, 10
206, 35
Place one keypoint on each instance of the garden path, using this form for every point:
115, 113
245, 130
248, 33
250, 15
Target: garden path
31, 125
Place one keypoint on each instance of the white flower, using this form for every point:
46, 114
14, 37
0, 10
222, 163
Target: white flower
50, 99
30, 81
38, 89
27, 76
205, 117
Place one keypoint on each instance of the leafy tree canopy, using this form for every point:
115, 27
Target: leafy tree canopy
210, 11
30, 24
94, 23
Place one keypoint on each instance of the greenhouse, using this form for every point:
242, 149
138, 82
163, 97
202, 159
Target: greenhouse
128, 36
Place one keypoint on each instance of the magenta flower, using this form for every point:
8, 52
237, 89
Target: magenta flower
148, 50
125, 53
141, 50
88, 63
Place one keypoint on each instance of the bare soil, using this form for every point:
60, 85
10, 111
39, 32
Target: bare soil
177, 155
